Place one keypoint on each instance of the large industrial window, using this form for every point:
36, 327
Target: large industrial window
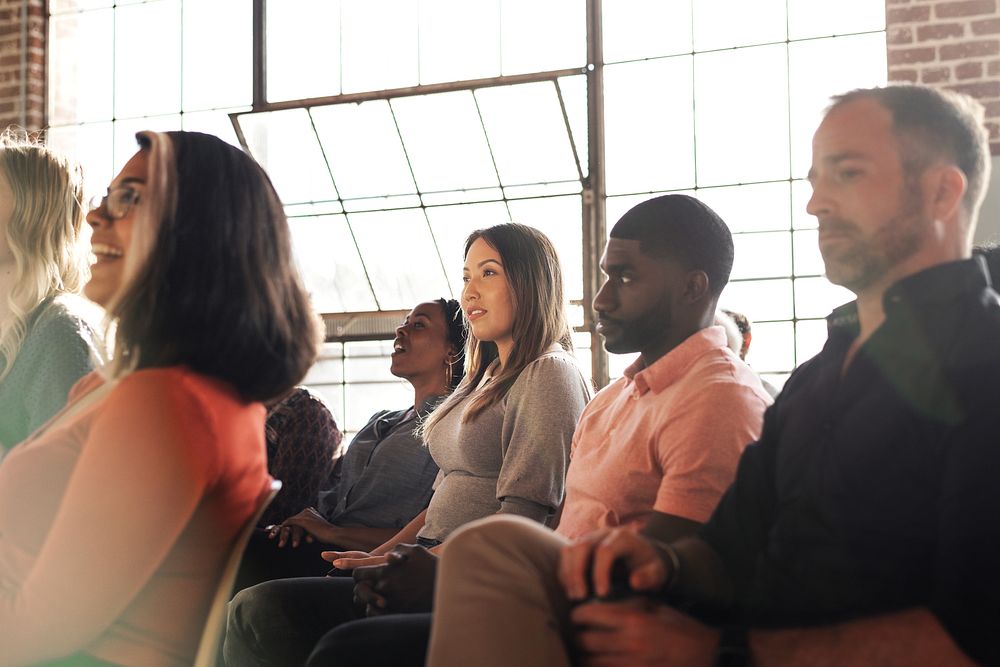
392, 128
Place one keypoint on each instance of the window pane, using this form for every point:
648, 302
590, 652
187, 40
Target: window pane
444, 139
400, 256
90, 145
453, 224
527, 133
363, 148
759, 299
810, 337
285, 145
541, 36
808, 260
649, 123
80, 67
147, 85
808, 18
720, 24
824, 67
751, 145
635, 29
773, 347
212, 122
574, 94
561, 219
125, 143
816, 297
762, 255
329, 263
57, 6
292, 41
801, 192
751, 208
378, 43
368, 361
477, 40
218, 54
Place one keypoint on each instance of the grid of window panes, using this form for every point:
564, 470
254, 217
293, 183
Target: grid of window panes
719, 99
713, 97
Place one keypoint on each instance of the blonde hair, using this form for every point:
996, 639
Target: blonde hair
43, 233
534, 278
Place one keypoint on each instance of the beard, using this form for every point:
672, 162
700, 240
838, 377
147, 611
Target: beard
859, 263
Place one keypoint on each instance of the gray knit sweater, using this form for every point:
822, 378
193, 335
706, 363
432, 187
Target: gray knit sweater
59, 348
512, 458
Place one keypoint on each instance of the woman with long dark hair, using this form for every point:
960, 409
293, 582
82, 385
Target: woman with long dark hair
501, 441
116, 517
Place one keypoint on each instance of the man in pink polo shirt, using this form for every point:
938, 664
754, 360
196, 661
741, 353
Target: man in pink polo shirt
654, 451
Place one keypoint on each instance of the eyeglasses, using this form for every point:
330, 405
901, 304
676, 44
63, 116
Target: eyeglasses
117, 202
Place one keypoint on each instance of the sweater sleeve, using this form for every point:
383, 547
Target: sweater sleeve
541, 413
107, 540
58, 352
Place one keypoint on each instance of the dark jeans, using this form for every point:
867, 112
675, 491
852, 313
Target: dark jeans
399, 640
264, 561
279, 622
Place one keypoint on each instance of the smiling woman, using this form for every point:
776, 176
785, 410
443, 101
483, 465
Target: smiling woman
157, 462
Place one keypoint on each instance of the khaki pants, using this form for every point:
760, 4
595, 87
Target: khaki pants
498, 601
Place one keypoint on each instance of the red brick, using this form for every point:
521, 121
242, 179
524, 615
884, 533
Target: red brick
10, 59
935, 75
907, 15
910, 56
992, 109
986, 27
940, 31
981, 89
908, 75
993, 67
973, 70
946, 10
899, 35
986, 47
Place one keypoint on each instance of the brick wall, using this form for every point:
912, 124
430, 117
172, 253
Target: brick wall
950, 43
22, 74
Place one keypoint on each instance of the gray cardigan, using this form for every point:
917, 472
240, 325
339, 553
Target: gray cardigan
513, 457
59, 348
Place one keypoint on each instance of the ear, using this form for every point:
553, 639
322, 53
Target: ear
696, 287
945, 185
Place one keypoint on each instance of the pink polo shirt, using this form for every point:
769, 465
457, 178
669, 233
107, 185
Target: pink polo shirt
664, 438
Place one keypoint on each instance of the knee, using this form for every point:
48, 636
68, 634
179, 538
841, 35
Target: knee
513, 539
252, 609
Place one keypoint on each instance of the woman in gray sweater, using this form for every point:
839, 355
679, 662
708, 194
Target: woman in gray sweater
46, 344
501, 441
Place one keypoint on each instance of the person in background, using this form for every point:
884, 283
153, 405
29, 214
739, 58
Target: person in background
117, 516
304, 450
737, 326
386, 476
501, 440
46, 342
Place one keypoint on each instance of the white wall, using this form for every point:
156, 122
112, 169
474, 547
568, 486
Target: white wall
989, 217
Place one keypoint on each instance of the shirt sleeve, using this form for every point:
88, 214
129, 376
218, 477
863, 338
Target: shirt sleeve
106, 541
967, 582
738, 528
700, 445
60, 349
542, 409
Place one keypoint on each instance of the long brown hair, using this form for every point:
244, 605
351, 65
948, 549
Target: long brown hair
534, 279
209, 279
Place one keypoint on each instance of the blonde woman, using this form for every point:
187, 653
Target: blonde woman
45, 343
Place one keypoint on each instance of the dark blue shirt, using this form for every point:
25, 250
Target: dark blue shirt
387, 474
878, 489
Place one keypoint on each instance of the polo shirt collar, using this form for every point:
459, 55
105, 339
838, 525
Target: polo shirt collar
675, 364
